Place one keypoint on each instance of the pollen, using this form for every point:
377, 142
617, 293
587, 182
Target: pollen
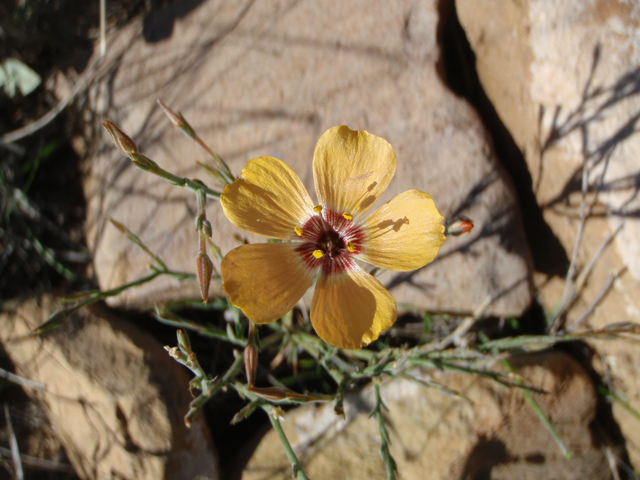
318, 253
298, 231
317, 208
348, 216
350, 247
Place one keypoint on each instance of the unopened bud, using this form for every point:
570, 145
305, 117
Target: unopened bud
118, 225
178, 120
272, 394
459, 226
251, 364
204, 269
183, 341
122, 140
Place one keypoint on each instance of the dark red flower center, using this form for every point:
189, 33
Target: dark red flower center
329, 241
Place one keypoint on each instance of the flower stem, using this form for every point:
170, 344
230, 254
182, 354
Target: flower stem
297, 470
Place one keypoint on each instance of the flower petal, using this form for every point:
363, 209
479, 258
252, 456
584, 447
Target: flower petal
267, 199
265, 280
350, 309
404, 233
351, 169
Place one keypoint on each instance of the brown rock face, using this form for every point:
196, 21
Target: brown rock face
563, 77
268, 78
114, 397
493, 434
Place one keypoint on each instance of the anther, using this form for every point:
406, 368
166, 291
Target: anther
317, 208
348, 216
318, 253
350, 247
298, 231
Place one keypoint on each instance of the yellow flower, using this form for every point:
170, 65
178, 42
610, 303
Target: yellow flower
351, 170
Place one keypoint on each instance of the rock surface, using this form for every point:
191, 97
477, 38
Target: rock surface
268, 78
494, 433
113, 395
564, 78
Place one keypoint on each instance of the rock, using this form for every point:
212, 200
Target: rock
450, 438
268, 78
563, 77
113, 395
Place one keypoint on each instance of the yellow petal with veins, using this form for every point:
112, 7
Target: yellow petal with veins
265, 280
404, 233
351, 169
350, 309
267, 199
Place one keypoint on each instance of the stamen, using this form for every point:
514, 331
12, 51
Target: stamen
348, 216
350, 247
298, 231
317, 208
318, 253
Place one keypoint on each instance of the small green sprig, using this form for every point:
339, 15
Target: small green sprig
168, 317
84, 299
222, 174
385, 440
203, 382
275, 413
129, 149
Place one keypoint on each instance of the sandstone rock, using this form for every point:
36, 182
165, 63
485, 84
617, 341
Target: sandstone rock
268, 78
563, 77
492, 434
114, 397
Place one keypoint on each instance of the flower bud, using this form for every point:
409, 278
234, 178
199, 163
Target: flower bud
204, 269
178, 120
272, 394
118, 225
122, 141
251, 364
183, 341
459, 226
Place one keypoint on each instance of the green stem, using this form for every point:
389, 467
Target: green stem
204, 330
297, 470
150, 166
385, 441
61, 316
210, 388
224, 168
